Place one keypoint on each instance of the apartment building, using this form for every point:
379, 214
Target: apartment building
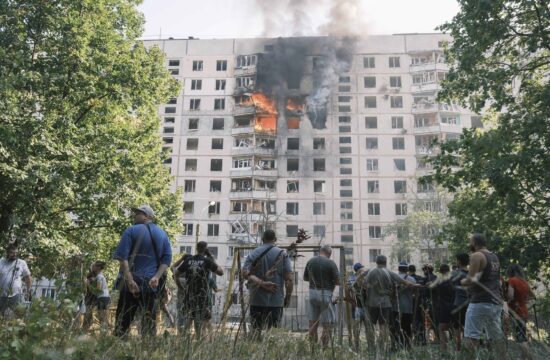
304, 133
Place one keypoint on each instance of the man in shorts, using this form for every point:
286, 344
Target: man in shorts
323, 276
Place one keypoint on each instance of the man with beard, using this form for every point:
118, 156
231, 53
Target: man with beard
13, 272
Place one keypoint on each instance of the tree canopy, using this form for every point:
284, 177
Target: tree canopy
500, 65
79, 130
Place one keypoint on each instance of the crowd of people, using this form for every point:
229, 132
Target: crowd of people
468, 299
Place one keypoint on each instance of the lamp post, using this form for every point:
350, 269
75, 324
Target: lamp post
211, 203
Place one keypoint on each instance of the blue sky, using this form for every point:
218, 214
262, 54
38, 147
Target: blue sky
244, 18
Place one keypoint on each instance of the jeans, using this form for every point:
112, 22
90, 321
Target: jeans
320, 306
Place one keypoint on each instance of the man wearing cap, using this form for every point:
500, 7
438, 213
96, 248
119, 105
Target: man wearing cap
144, 253
403, 308
380, 283
357, 296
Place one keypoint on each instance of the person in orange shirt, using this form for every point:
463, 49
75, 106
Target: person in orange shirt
518, 295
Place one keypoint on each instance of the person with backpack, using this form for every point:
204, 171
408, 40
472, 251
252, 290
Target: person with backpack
268, 271
14, 272
195, 271
144, 253
97, 295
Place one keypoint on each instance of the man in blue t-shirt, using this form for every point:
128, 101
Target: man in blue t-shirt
144, 253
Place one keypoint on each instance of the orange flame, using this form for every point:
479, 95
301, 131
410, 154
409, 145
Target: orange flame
294, 104
262, 103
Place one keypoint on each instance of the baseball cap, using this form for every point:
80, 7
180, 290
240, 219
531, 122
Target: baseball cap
146, 209
403, 264
357, 266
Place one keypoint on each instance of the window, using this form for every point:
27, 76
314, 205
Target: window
401, 209
214, 209
173, 101
346, 238
293, 123
344, 108
344, 79
239, 206
373, 187
399, 164
344, 119
425, 187
195, 104
373, 208
346, 193
293, 144
246, 60
292, 186
220, 84
344, 99
292, 164
346, 171
368, 62
188, 207
476, 122
318, 164
398, 143
169, 120
346, 215
345, 182
396, 102
168, 130
214, 252
242, 163
319, 208
173, 63
189, 185
450, 120
371, 122
318, 143
215, 185
372, 164
345, 140
196, 84
190, 164
193, 124
319, 186
369, 82
216, 164
219, 104
344, 88
291, 230
217, 144
370, 102
185, 249
168, 140
187, 229
221, 65
213, 230
292, 208
197, 65
192, 144
170, 110
346, 204
395, 81
344, 129
372, 143
319, 231
394, 62
375, 232
373, 253
400, 186
218, 124
397, 122
174, 71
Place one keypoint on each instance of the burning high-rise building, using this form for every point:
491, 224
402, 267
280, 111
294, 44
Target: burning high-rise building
321, 133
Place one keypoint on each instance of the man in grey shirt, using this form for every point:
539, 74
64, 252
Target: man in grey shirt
403, 308
380, 283
323, 276
269, 274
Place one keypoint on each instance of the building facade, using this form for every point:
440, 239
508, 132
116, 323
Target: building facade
329, 136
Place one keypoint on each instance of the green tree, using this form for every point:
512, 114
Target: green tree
500, 64
79, 142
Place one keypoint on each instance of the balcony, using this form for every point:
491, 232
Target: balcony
422, 108
248, 172
242, 130
245, 71
251, 194
429, 66
244, 110
431, 86
427, 150
436, 128
253, 216
252, 150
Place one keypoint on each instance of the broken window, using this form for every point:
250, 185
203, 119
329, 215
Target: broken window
242, 163
189, 185
293, 144
193, 124
245, 81
399, 164
192, 144
319, 186
174, 71
292, 186
425, 187
190, 164
214, 209
451, 120
218, 124
196, 84
242, 122
241, 185
169, 120
246, 60
215, 185
373, 187
197, 65
188, 207
369, 82
239, 207
220, 84
293, 123
318, 143
292, 208
396, 102
168, 140
221, 65
292, 164
371, 122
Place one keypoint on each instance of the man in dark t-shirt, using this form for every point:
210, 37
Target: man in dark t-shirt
196, 272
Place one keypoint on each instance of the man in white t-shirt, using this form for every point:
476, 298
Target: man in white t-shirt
13, 272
